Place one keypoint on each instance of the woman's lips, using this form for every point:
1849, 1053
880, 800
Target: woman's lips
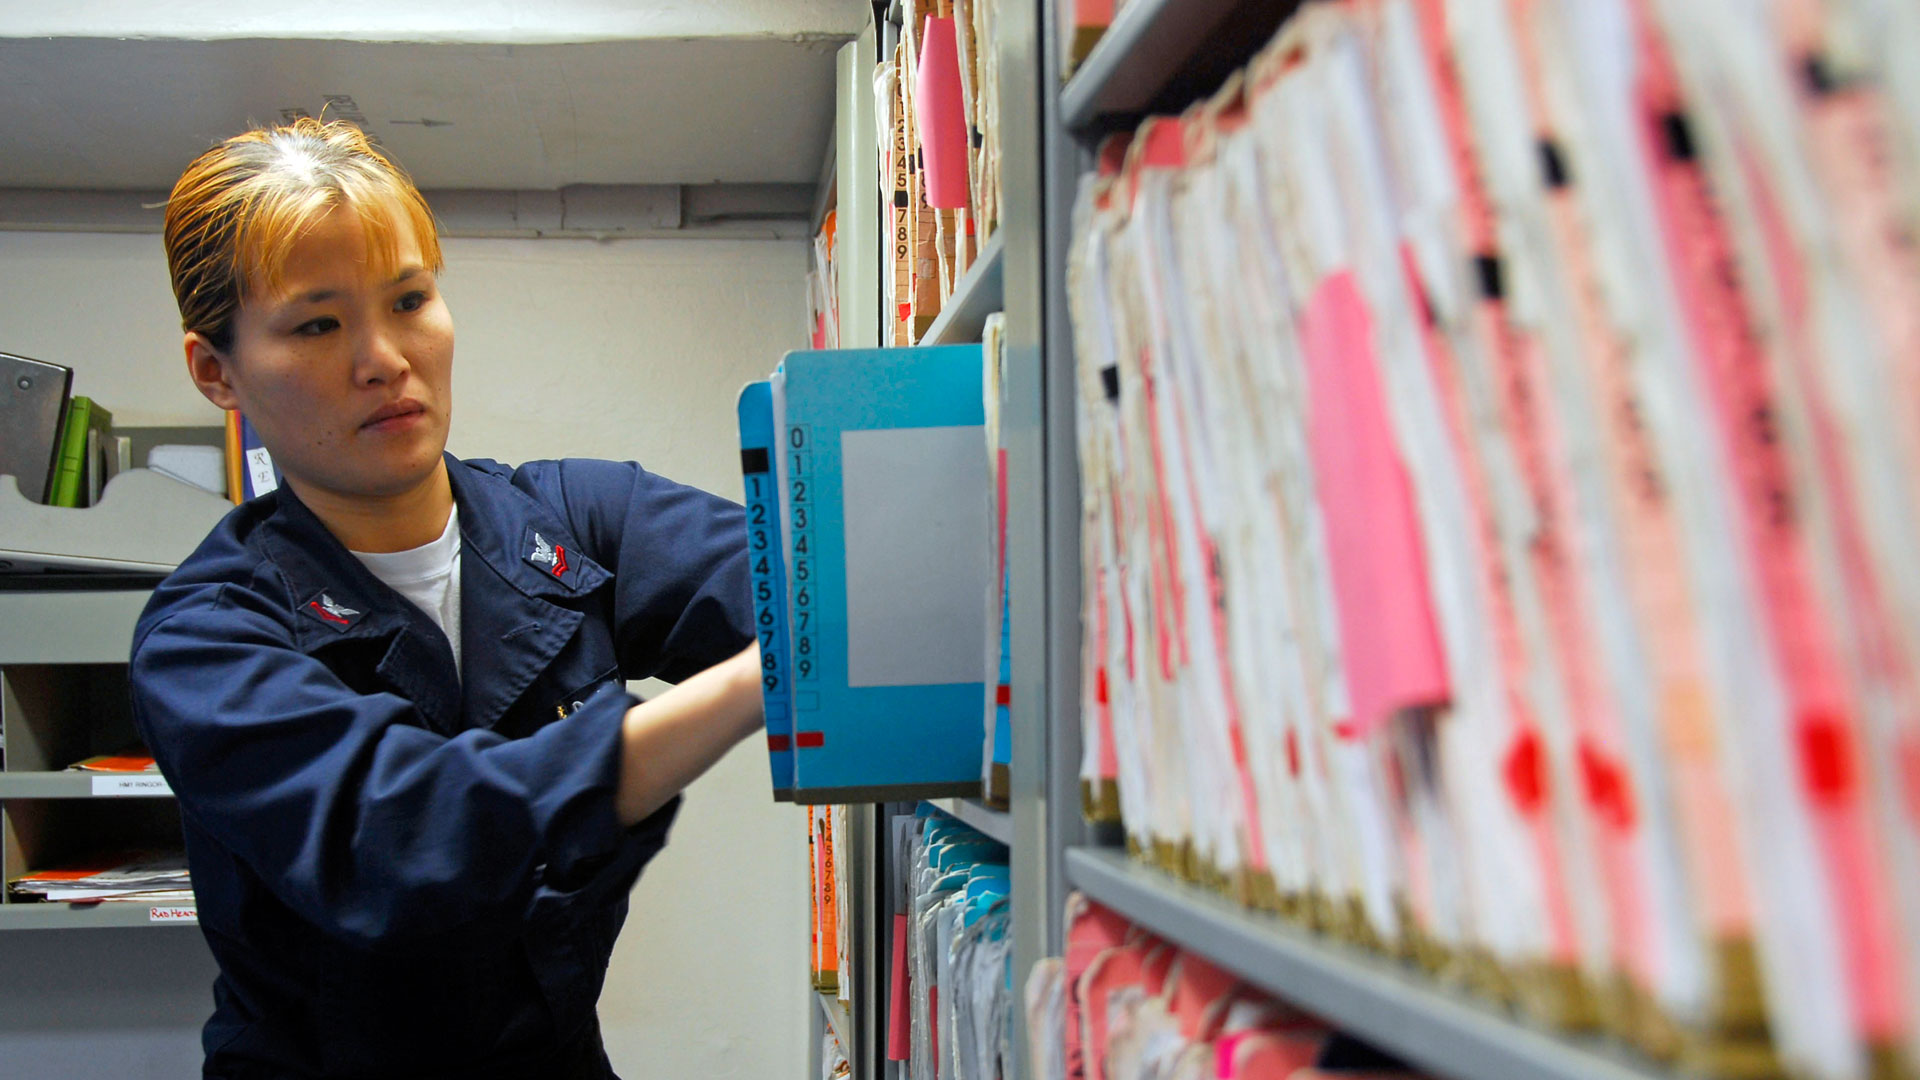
397, 417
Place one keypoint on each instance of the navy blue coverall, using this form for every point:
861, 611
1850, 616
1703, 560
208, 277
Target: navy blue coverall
401, 875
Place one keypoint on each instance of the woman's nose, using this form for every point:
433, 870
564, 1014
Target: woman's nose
379, 357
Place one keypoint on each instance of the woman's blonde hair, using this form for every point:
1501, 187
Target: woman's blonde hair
238, 209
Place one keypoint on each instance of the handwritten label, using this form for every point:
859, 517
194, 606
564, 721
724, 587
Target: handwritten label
141, 784
173, 914
260, 470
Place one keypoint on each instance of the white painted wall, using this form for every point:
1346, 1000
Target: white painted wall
628, 349
503, 21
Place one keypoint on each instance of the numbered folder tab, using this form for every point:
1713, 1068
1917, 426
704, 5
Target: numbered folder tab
869, 529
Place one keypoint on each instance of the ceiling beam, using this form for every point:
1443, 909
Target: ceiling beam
580, 211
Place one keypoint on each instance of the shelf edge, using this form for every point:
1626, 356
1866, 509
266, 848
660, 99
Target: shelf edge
837, 1019
16, 916
1429, 1026
1147, 46
979, 293
995, 824
68, 784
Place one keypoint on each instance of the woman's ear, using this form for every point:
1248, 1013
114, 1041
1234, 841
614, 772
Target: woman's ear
210, 368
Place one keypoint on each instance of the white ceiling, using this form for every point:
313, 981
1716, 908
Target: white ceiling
495, 94
485, 21
98, 113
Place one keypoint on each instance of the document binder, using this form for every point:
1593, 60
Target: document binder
881, 513
35, 403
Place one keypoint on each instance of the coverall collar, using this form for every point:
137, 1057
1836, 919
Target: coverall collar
520, 566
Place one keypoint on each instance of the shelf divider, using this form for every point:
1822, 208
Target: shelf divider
1369, 997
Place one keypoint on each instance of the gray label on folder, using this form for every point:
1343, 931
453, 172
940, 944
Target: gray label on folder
918, 555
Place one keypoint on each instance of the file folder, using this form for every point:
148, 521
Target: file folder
882, 515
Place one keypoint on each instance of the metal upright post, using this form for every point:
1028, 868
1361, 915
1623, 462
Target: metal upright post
1023, 418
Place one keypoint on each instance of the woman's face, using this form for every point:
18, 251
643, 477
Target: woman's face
345, 373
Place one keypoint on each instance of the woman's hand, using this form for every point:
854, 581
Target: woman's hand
670, 741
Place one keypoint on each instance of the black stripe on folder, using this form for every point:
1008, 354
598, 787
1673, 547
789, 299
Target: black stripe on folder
1552, 166
1491, 286
1110, 380
1679, 136
753, 460
1819, 75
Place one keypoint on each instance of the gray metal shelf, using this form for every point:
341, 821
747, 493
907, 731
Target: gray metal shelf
1445, 1033
1150, 44
837, 1019
92, 916
997, 824
69, 627
68, 784
978, 294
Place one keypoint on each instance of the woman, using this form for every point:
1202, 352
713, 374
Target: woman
389, 695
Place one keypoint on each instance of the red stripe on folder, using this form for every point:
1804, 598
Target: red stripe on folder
1826, 757
1003, 695
779, 743
807, 740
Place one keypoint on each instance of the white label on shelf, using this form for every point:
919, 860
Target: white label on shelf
173, 914
137, 784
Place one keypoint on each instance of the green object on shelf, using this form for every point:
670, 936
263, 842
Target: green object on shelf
69, 474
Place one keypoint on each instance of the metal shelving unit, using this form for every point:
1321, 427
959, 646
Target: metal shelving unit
59, 636
1161, 55
1379, 1001
978, 294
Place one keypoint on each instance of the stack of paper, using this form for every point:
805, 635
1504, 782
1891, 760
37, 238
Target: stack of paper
996, 767
1498, 423
144, 876
833, 1056
937, 103
952, 951
823, 291
1122, 1004
127, 761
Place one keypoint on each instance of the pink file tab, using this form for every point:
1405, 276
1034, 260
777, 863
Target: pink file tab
1388, 639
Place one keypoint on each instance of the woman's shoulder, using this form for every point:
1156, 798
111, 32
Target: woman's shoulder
233, 563
563, 484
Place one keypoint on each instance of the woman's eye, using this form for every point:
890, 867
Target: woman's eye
316, 327
411, 302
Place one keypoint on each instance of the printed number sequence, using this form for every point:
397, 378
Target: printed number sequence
800, 510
